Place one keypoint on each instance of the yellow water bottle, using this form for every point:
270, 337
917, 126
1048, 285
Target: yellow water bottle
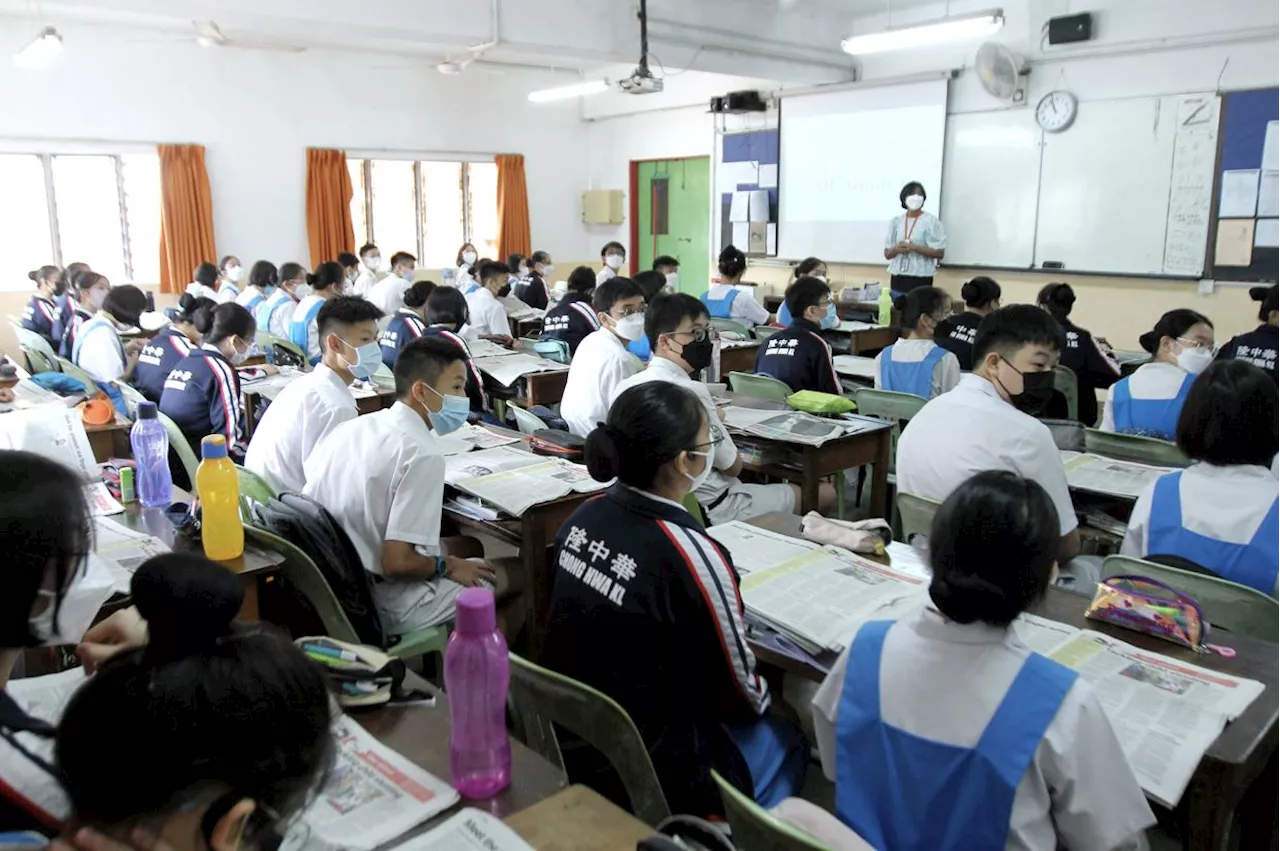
218, 487
886, 306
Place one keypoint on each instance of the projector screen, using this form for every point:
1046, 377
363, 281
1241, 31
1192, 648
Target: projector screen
843, 158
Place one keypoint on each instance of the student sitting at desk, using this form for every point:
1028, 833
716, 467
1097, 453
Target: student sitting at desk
488, 315
645, 607
40, 312
350, 271
798, 356
446, 313
1221, 512
388, 294
1092, 363
408, 323
612, 256
532, 287
602, 361
651, 285
1148, 401
370, 263
1259, 346
916, 364
188, 323
98, 349
314, 404
262, 279
944, 730
981, 296
202, 393
669, 268
725, 301
204, 283
65, 314
90, 290
392, 508
230, 274
809, 267
276, 313
573, 318
325, 284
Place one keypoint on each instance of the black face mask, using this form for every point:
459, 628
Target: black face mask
1037, 390
697, 354
505, 291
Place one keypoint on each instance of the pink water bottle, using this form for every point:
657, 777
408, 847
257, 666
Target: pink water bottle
476, 676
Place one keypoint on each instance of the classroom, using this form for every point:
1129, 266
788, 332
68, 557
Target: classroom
547, 424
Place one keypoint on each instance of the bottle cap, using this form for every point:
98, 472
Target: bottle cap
213, 447
475, 614
146, 410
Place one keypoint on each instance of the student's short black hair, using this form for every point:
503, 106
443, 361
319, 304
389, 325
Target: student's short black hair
264, 274
328, 274
804, 294
126, 303
46, 273
979, 291
447, 306
292, 271
906, 190
514, 261
424, 359
491, 269
71, 274
402, 257
1270, 298
613, 291
648, 425
205, 273
665, 260
537, 257
341, 312
616, 246
367, 247
806, 266
418, 293
231, 320
1230, 416
732, 262
1008, 329
992, 547
1173, 324
651, 283
222, 264
922, 301
1058, 299
582, 280
348, 260
666, 312
87, 279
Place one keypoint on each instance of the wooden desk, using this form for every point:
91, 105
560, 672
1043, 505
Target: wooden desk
110, 440
385, 397
525, 327
875, 338
541, 388
740, 358
578, 819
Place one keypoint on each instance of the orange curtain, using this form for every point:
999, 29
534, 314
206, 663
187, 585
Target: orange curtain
513, 206
329, 228
186, 215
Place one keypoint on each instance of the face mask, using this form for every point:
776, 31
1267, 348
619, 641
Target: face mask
613, 261
831, 319
697, 481
697, 354
373, 263
238, 357
407, 275
96, 298
915, 202
630, 328
1037, 390
80, 604
235, 274
468, 257
504, 291
1194, 361
673, 281
549, 269
368, 359
822, 278
302, 290
452, 415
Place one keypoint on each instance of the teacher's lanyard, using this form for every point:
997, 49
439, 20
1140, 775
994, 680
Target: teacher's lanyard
906, 232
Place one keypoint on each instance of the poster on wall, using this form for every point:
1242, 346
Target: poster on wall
746, 191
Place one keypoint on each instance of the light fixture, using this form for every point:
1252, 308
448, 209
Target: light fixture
590, 87
40, 51
931, 32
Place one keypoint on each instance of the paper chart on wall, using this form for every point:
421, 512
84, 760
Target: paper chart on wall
1239, 198
1269, 194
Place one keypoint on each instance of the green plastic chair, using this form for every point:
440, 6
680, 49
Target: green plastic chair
179, 443
40, 355
253, 488
916, 514
760, 386
761, 332
889, 405
1228, 605
78, 374
694, 508
265, 339
541, 699
1066, 383
733, 326
131, 398
526, 421
1133, 447
384, 378
757, 829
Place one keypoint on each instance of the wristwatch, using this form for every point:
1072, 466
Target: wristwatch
442, 567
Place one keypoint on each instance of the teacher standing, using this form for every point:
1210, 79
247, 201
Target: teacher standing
915, 244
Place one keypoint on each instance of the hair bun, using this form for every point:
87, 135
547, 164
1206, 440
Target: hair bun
1149, 341
1063, 296
967, 598
187, 601
601, 454
1255, 293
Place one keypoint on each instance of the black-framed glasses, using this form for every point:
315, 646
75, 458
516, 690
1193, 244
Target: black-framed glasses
699, 334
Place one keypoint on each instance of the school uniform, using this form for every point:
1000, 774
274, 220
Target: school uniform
1148, 402
1094, 368
1223, 518
199, 290
307, 409
388, 295
911, 270
919, 367
227, 293
303, 330
488, 316
382, 478
365, 281
63, 314
70, 327
956, 335
532, 290
97, 349
463, 279
202, 396
942, 735
571, 320
724, 301
250, 298
645, 607
38, 317
1259, 347
157, 359
275, 314
404, 327
605, 274
799, 358
600, 364
475, 383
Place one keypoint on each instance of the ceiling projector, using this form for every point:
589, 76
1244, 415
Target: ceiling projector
641, 82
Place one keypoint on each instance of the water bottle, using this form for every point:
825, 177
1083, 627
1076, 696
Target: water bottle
218, 487
476, 675
150, 444
886, 306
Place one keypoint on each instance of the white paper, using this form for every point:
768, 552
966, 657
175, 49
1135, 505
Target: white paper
53, 432
486, 349
1198, 114
1266, 233
768, 176
27, 394
758, 206
45, 698
517, 309
1234, 243
1109, 476
856, 366
729, 175
507, 369
123, 550
472, 436
790, 426
740, 207
468, 830
1269, 194
741, 234
771, 238
101, 502
515, 480
1239, 194
1195, 151
754, 548
1271, 147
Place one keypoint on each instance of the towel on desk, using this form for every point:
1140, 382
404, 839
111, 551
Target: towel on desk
862, 536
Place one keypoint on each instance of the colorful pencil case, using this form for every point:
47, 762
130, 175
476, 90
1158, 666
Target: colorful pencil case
1151, 607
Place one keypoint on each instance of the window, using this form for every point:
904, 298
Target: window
99, 209
427, 207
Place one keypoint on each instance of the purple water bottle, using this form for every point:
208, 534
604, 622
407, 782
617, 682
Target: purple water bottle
476, 675
150, 443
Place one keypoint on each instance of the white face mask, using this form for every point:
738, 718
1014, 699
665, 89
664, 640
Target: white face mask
549, 269
302, 290
373, 263
522, 271
1194, 361
673, 281
238, 357
697, 481
80, 604
468, 257
822, 278
630, 328
235, 274
915, 202
613, 261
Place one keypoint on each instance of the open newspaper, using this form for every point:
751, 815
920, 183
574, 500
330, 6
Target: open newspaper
269, 386
517, 309
791, 426
27, 394
471, 437
45, 698
468, 830
515, 480
123, 550
509, 368
56, 433
486, 349
1089, 472
855, 366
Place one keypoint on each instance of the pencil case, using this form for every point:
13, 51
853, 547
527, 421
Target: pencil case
558, 444
362, 675
1153, 608
815, 402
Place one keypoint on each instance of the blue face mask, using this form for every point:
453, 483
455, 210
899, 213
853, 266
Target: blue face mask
831, 320
452, 415
368, 359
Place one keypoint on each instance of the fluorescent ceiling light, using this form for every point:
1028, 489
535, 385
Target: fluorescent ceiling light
921, 35
40, 51
590, 87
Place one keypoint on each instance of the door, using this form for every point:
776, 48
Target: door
671, 212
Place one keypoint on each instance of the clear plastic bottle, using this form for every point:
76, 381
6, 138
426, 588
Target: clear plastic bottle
218, 487
150, 444
476, 676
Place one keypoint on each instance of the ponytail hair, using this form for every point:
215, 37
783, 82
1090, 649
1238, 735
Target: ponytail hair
328, 274
732, 262
44, 273
649, 425
980, 291
229, 320
1173, 324
197, 312
1058, 299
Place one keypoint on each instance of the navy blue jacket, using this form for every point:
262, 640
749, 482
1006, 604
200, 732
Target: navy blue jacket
1258, 347
202, 395
532, 290
67, 342
956, 336
39, 316
64, 306
799, 358
1094, 370
571, 320
405, 325
475, 383
158, 358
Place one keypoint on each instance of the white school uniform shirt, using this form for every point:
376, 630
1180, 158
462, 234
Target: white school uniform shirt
227, 293
943, 681
365, 281
488, 316
971, 429
600, 364
382, 477
305, 411
927, 231
283, 316
744, 309
388, 295
462, 278
1226, 503
199, 290
101, 354
248, 294
605, 274
946, 373
1155, 380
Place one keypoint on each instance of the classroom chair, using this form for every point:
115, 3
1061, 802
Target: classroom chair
69, 368
1067, 434
40, 355
756, 829
384, 378
916, 514
540, 698
760, 386
760, 332
732, 326
131, 399
253, 488
898, 408
266, 340
1066, 383
526, 421
1133, 447
1228, 605
178, 443
694, 508
556, 350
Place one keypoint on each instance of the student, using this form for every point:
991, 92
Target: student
1221, 512
98, 349
1084, 355
262, 280
519, 265
446, 312
370, 263
231, 273
188, 323
725, 301
202, 393
1148, 401
408, 323
915, 243
464, 279
944, 730
645, 607
651, 286
669, 268
66, 314
809, 267
573, 318
798, 356
916, 364
1259, 346
388, 294
988, 422
392, 508
204, 281
325, 284
602, 361
350, 271
981, 296
90, 292
275, 315
316, 403
678, 329
612, 256
40, 312
532, 288
488, 317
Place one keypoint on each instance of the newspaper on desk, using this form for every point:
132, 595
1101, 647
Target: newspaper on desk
46, 698
472, 436
27, 395
269, 386
515, 480
509, 368
123, 550
468, 830
101, 502
486, 349
518, 310
1110, 476
55, 433
794, 426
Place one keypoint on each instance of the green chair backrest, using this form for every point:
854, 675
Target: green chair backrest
916, 514
1067, 434
1066, 383
179, 443
760, 386
757, 829
526, 421
694, 508
760, 332
733, 326
889, 405
78, 374
301, 572
540, 698
1133, 447
1228, 605
253, 488
40, 355
131, 398
265, 339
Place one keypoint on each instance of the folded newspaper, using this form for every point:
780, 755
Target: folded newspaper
468, 830
124, 549
56, 433
515, 480
509, 368
791, 426
45, 698
517, 309
486, 349
471, 437
1110, 476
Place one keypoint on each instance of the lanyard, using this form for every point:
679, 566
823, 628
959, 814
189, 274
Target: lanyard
906, 232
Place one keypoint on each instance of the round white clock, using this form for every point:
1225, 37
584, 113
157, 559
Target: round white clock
1056, 111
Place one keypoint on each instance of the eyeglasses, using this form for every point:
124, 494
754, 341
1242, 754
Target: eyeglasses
698, 334
712, 443
630, 311
1195, 344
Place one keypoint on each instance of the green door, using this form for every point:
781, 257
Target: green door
681, 217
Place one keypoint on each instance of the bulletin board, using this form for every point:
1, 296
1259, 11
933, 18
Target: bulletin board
1246, 245
747, 161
